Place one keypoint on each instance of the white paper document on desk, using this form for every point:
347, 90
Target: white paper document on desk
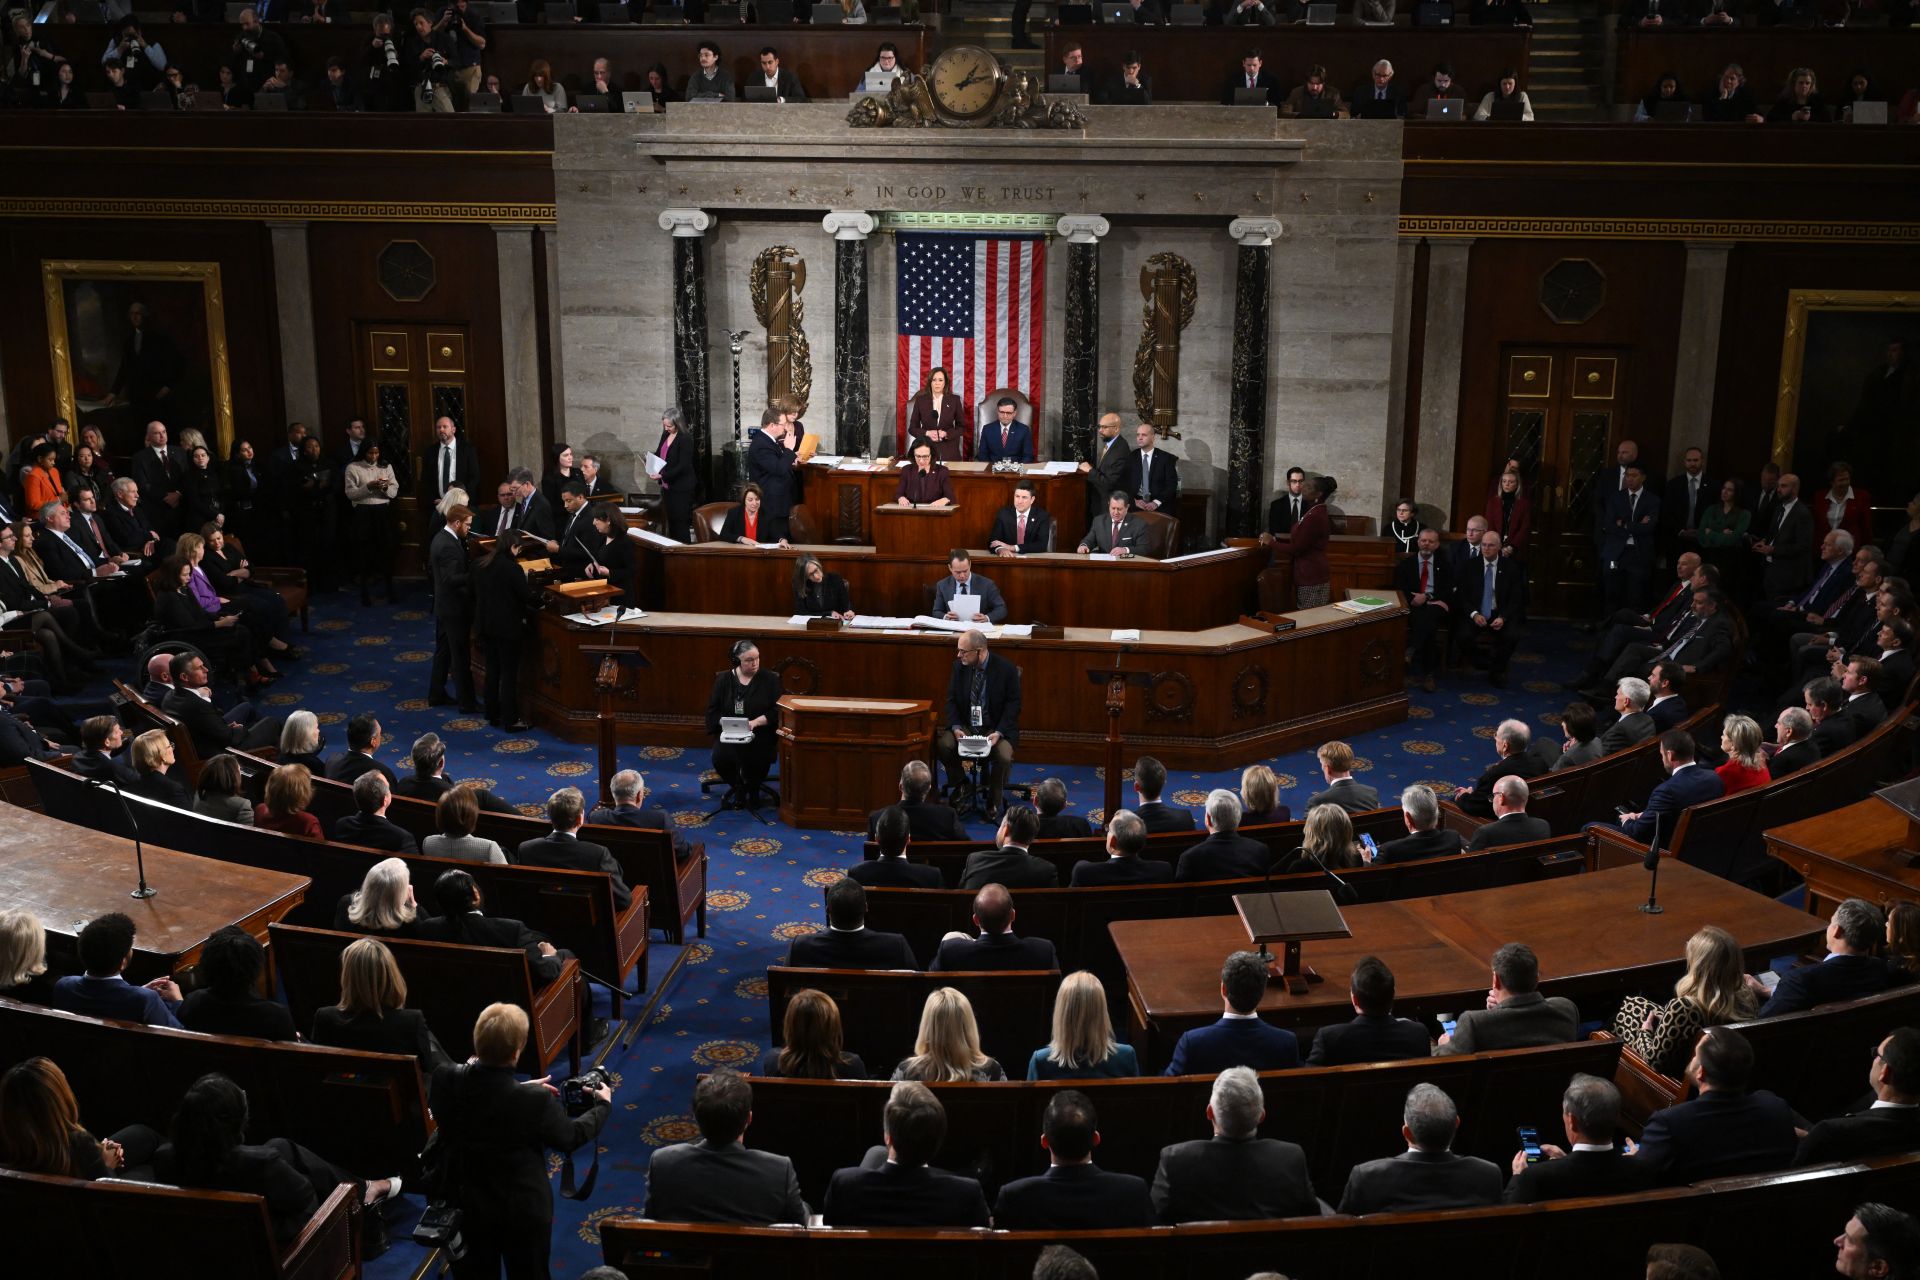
878, 622
1125, 633
1060, 468
931, 623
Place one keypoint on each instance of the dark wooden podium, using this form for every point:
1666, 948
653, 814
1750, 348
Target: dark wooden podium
916, 531
840, 758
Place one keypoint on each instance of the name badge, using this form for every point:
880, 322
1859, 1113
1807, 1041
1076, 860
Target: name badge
249, 66
979, 715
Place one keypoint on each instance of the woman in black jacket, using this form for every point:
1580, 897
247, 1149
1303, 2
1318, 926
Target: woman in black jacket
200, 497
677, 474
231, 1004
613, 559
818, 593
152, 755
750, 692
372, 1013
241, 483
503, 602
227, 644
312, 514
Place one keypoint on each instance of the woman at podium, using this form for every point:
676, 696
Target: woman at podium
937, 416
749, 693
926, 483
820, 594
612, 551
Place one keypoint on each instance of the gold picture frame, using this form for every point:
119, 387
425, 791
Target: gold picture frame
1802, 304
212, 397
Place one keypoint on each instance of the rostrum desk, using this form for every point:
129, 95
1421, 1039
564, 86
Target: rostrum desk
842, 501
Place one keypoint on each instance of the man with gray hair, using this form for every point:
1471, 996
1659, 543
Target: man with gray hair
1516, 753
562, 847
369, 826
1420, 810
1793, 730
126, 523
1630, 698
925, 820
1378, 99
1225, 854
1236, 1174
630, 809
1429, 1175
1126, 841
1590, 1164
1517, 1016
532, 513
1511, 824
1850, 969
430, 781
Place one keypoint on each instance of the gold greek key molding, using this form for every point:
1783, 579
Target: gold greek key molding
1499, 227
273, 210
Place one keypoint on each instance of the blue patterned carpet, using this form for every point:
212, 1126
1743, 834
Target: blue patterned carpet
765, 881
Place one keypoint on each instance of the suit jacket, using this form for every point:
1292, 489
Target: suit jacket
1232, 1179
1100, 537
1040, 530
1690, 785
557, 849
349, 765
925, 822
209, 729
1060, 826
375, 831
734, 527
851, 949
1630, 519
1163, 479
1537, 759
431, 789
254, 1015
1717, 1135
678, 476
1121, 871
1354, 797
1369, 1038
1880, 1131
477, 930
1118, 93
1110, 462
1582, 1173
61, 563
1866, 711
1234, 1042
1001, 699
1708, 646
1792, 758
130, 530
452, 581
498, 1131
651, 818
1075, 1197
1681, 513
1514, 828
896, 873
1838, 977
98, 764
990, 443
991, 602
1635, 726
91, 532
701, 1182
1421, 1181
894, 1196
1011, 866
1224, 855
1365, 106
1265, 80
1666, 713
1520, 1022
1406, 577
402, 1031
952, 419
1509, 591
1789, 568
1161, 818
466, 471
19, 743
993, 951
1420, 844
157, 478
770, 465
113, 997
1833, 734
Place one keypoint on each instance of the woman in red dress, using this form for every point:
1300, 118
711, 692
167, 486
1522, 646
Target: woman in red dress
1746, 765
1509, 514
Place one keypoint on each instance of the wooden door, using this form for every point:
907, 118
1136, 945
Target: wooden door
1561, 413
409, 376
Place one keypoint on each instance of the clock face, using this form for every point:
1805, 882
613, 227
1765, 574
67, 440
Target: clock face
965, 82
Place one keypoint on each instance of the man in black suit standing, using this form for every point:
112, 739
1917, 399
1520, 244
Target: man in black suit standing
1589, 1165
1073, 1194
1426, 579
903, 1191
1420, 810
1890, 1125
1149, 780
717, 1179
1050, 798
1126, 841
926, 820
369, 825
847, 942
1628, 543
532, 513
452, 612
1235, 1175
996, 947
1725, 1130
983, 700
562, 847
771, 457
1252, 76
1021, 529
1374, 1035
630, 809
1517, 755
364, 737
1785, 544
1687, 497
1491, 603
1153, 479
892, 832
1285, 511
1106, 466
1511, 824
1225, 854
159, 469
1850, 971
191, 703
1429, 1175
449, 465
1008, 862
1336, 766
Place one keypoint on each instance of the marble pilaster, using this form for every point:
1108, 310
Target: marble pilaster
1702, 300
293, 302
1247, 409
692, 391
1080, 359
1440, 355
520, 344
852, 385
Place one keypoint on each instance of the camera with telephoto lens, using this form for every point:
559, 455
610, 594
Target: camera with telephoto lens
437, 67
577, 1093
393, 55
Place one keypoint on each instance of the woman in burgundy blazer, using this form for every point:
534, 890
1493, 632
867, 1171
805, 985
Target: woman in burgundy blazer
1509, 514
1308, 545
948, 416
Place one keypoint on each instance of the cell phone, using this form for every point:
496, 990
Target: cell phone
1373, 850
1530, 1143
1621, 809
1448, 1026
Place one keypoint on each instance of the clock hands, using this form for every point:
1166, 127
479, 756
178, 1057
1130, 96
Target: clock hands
974, 76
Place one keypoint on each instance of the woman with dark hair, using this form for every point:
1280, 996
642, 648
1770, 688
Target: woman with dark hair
504, 603
612, 551
1405, 527
312, 514
751, 693
1860, 88
240, 480
181, 616
1508, 91
659, 86
820, 594
462, 920
455, 815
370, 488
1724, 524
1312, 579
1903, 942
1581, 744
813, 1046
230, 1004
224, 562
40, 1130
939, 417
540, 84
89, 471
219, 793
677, 474
200, 492
924, 483
743, 524
42, 483
67, 659
1800, 101
1509, 514
1666, 101
561, 472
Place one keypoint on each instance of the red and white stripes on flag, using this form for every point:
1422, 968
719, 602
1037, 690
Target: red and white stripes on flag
973, 305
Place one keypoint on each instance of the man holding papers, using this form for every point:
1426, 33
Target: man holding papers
983, 702
1119, 532
962, 584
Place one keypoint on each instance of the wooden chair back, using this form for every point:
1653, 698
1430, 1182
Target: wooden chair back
708, 517
1162, 539
880, 1010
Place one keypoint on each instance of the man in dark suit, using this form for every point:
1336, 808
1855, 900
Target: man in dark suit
847, 942
1687, 784
1378, 99
1149, 780
1126, 841
1374, 1035
364, 737
452, 613
1517, 755
159, 470
1235, 1175
1630, 698
1153, 479
1589, 1165
983, 700
429, 781
1050, 798
717, 1179
771, 457
1073, 1194
1850, 969
1832, 731
904, 1191
1666, 708
90, 529
1420, 810
1008, 862
630, 809
1225, 854
1491, 603
997, 947
1814, 609
101, 738
1005, 438
1703, 644
1511, 824
497, 520
20, 742
1863, 706
1252, 76
1429, 1175
1793, 731
1890, 1124
926, 819
1021, 529
1785, 542
1687, 497
962, 580
1118, 533
1426, 579
191, 703
1239, 1038
784, 83
1336, 766
1726, 1130
892, 832
1285, 511
369, 825
532, 513
1517, 1016
127, 524
106, 946
450, 464
1106, 465
1628, 544
1644, 634
563, 847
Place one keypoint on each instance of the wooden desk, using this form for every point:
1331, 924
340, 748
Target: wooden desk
1354, 562
1207, 589
923, 532
67, 875
840, 758
1849, 853
1221, 697
842, 502
1585, 929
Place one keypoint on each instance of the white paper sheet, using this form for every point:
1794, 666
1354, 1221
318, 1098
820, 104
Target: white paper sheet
964, 607
655, 464
1125, 633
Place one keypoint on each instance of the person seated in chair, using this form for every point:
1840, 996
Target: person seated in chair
1590, 1164
1149, 780
101, 739
1630, 698
430, 781
1021, 529
1004, 439
229, 1002
1581, 744
1240, 1038
1517, 1015
983, 701
1887, 1126
1832, 731
1126, 841
1374, 1034
1120, 533
191, 703
630, 809
997, 947
370, 826
1517, 755
892, 832
962, 580
1009, 863
1073, 1194
1225, 854
105, 945
462, 920
1849, 971
1236, 1175
718, 1179
926, 819
563, 847
364, 737
847, 943
1726, 1130
1511, 824
1688, 783
1668, 706
1863, 706
1429, 1175
1420, 810
899, 1188
1336, 766
1050, 798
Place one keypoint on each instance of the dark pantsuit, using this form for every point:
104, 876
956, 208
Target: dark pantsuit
523, 1248
502, 693
1427, 633
680, 515
452, 648
745, 765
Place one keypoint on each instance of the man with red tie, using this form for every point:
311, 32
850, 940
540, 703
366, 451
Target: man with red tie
1021, 529
1426, 579
1119, 532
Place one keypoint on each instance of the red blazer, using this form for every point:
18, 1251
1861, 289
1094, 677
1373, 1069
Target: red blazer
952, 418
1856, 517
1308, 546
1516, 537
294, 824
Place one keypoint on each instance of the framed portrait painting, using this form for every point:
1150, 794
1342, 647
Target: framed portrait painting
1850, 390
132, 342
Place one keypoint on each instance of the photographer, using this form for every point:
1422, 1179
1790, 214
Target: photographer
31, 70
497, 1132
255, 50
469, 31
429, 61
378, 81
141, 59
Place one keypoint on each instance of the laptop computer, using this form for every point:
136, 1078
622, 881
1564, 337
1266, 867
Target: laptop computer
1322, 15
269, 100
557, 11
529, 104
1320, 108
718, 13
1446, 108
483, 101
1116, 13
207, 100
1245, 97
827, 15
1063, 84
1074, 15
153, 100
502, 13
758, 93
589, 102
772, 12
887, 15
1673, 112
1505, 111
879, 81
1867, 113
1187, 15
637, 100
101, 102
734, 730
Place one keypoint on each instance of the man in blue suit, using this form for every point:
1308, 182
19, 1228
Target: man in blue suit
1687, 784
1240, 1038
771, 457
1849, 970
1006, 439
1628, 538
106, 945
1726, 1130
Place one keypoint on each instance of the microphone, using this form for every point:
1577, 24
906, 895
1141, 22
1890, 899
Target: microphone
1652, 905
139, 854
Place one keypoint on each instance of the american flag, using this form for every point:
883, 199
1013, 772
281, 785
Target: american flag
972, 305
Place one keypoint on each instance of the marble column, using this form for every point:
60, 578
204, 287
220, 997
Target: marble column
690, 386
1702, 300
1440, 355
520, 345
1247, 409
556, 372
293, 300
852, 387
1080, 364
1393, 482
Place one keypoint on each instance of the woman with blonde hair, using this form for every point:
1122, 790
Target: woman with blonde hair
1260, 797
40, 1130
289, 792
1326, 842
23, 958
1711, 993
1746, 765
813, 1043
1083, 1046
382, 906
152, 756
372, 1013
948, 1045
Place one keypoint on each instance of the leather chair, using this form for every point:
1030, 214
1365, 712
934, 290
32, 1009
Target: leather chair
707, 519
800, 528
1163, 534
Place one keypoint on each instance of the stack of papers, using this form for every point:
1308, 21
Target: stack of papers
1125, 633
604, 616
878, 622
1361, 604
1065, 468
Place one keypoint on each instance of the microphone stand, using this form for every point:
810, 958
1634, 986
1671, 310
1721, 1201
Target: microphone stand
139, 854
1652, 905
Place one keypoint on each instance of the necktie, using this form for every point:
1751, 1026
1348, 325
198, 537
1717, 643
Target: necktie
1146, 471
446, 469
1379, 95
1020, 531
1633, 505
979, 686
1486, 592
1673, 650
1426, 575
1116, 535
1296, 509
506, 522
